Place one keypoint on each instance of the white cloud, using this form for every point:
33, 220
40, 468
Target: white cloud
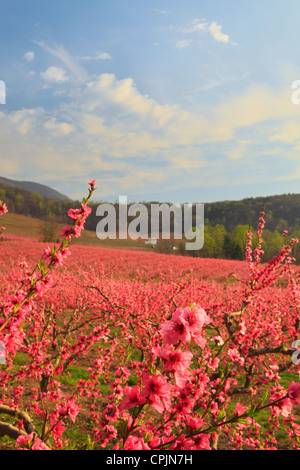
29, 56
183, 43
216, 32
113, 97
55, 75
203, 26
98, 56
161, 12
195, 25
289, 133
59, 128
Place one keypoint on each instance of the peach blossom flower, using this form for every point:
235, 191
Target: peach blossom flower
294, 392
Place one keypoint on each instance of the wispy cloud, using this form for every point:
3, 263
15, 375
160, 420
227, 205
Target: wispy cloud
195, 25
28, 56
59, 128
162, 12
69, 62
183, 43
221, 81
213, 28
98, 56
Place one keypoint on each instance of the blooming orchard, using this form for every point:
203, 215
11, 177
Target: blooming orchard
117, 349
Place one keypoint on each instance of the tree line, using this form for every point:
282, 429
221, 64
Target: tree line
224, 244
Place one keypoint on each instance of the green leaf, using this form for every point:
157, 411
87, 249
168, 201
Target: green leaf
221, 415
134, 412
265, 397
122, 425
243, 421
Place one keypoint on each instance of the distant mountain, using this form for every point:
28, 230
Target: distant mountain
37, 187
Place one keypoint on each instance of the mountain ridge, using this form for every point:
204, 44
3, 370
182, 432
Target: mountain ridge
39, 188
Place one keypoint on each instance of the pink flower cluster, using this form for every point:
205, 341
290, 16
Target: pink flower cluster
79, 216
30, 443
294, 392
3, 208
186, 325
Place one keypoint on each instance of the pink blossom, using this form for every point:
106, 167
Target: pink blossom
77, 231
43, 285
177, 361
284, 406
47, 253
111, 413
239, 409
195, 423
157, 391
183, 443
196, 319
74, 213
65, 232
23, 440
234, 355
58, 429
85, 210
39, 445
218, 340
92, 183
133, 398
135, 443
294, 392
186, 325
69, 409
173, 331
28, 442
3, 208
73, 409
202, 442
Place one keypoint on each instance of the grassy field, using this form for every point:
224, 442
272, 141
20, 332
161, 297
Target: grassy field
29, 227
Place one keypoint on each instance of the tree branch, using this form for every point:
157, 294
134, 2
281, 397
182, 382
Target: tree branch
20, 415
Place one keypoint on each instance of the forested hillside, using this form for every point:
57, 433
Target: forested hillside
41, 189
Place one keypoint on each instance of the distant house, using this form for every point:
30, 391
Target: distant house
151, 241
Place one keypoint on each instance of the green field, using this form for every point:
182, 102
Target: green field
29, 227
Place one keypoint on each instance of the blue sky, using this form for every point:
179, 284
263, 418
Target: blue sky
178, 101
